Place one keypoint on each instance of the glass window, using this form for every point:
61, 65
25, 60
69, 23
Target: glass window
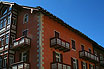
5, 61
1, 24
84, 65
75, 64
25, 32
101, 57
82, 47
56, 34
24, 56
95, 52
4, 23
91, 66
2, 41
25, 18
14, 21
11, 59
58, 57
9, 21
73, 44
89, 50
7, 39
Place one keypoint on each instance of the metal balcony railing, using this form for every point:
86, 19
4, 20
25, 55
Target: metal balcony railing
20, 65
88, 56
21, 42
60, 44
58, 65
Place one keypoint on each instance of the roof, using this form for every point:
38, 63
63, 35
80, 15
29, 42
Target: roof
45, 12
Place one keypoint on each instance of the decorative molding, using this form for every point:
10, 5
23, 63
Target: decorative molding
40, 43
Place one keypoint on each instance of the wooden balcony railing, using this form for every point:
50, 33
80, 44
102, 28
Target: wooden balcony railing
88, 56
21, 42
57, 65
20, 65
60, 44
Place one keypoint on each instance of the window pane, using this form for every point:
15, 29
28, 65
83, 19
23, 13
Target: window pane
73, 44
25, 18
7, 38
82, 47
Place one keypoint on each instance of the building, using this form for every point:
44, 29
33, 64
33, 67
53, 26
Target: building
33, 38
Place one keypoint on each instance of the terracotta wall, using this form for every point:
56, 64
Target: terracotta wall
49, 27
32, 33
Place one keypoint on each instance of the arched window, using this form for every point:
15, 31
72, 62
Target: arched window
25, 20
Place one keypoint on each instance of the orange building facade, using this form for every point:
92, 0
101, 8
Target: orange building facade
36, 39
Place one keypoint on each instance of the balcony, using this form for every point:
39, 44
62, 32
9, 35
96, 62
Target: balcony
57, 65
60, 44
21, 42
88, 56
20, 65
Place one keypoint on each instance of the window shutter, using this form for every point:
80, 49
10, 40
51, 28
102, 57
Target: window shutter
54, 56
82, 64
77, 65
61, 57
71, 62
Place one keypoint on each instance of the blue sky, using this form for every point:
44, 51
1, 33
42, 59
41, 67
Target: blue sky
85, 15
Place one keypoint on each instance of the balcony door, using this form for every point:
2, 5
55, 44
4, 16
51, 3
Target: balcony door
24, 56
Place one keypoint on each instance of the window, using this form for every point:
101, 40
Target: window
89, 50
74, 63
1, 24
11, 59
0, 62
7, 39
91, 66
9, 20
84, 65
73, 44
57, 57
101, 57
12, 38
82, 47
24, 56
5, 61
14, 21
2, 41
4, 23
25, 18
56, 34
95, 52
25, 32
